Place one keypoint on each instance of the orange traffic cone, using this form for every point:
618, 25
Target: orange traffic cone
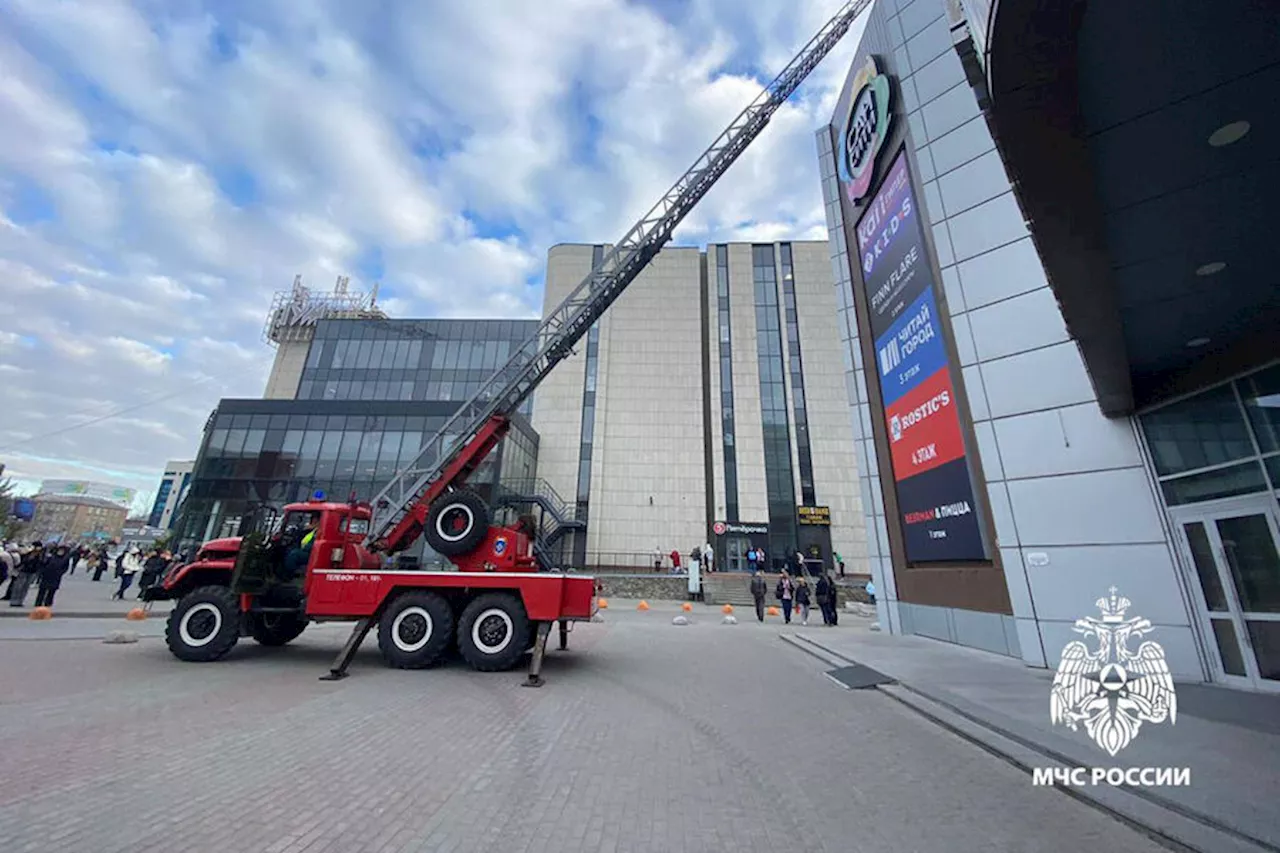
727, 609
772, 611
603, 604
137, 614
41, 613
643, 605
686, 607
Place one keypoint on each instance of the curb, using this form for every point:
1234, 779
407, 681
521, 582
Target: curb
23, 613
1165, 822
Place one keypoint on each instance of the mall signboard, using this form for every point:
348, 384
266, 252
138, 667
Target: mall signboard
938, 515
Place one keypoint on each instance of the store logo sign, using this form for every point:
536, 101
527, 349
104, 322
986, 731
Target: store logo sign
865, 130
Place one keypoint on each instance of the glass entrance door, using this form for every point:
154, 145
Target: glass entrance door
735, 553
1234, 549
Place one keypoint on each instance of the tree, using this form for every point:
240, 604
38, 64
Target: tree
10, 527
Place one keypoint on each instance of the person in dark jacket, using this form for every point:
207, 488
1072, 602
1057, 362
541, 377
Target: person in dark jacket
55, 566
823, 593
758, 590
152, 570
28, 570
833, 599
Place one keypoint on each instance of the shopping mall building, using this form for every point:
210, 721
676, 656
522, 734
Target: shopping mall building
1048, 228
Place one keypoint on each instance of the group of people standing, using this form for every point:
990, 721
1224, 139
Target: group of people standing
793, 593
46, 566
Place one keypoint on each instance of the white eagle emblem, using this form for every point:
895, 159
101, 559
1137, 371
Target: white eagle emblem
1114, 690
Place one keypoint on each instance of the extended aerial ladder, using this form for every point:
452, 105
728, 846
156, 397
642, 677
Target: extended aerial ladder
407, 504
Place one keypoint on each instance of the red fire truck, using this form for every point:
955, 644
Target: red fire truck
324, 561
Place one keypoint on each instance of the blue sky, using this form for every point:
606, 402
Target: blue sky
167, 165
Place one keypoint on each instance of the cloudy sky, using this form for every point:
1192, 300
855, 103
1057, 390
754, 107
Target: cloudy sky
166, 166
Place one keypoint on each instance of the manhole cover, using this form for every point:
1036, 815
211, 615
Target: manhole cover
859, 677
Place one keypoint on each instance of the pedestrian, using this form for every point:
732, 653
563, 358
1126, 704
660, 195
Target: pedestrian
758, 590
657, 559
785, 592
130, 564
823, 594
840, 563
708, 557
152, 570
55, 566
28, 570
834, 599
753, 560
675, 561
100, 563
802, 599
871, 591
82, 561
8, 566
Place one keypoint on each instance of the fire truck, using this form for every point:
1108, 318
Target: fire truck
325, 561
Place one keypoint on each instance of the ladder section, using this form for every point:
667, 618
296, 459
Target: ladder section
503, 393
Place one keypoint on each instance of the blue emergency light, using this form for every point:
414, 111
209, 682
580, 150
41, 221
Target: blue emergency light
318, 496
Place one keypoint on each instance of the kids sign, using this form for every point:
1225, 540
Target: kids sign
865, 130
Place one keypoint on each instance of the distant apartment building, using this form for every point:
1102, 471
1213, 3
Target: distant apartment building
75, 519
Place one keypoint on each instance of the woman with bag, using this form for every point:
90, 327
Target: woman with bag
785, 592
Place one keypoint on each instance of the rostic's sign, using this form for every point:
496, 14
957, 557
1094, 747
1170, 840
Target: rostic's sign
865, 130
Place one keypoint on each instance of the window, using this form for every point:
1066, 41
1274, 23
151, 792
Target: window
1205, 430
726, 384
803, 450
779, 478
1218, 443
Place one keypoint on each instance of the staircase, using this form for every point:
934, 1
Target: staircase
731, 588
555, 516
735, 588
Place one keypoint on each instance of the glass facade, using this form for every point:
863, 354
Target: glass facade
799, 413
408, 359
162, 497
1219, 443
587, 435
779, 482
726, 383
274, 452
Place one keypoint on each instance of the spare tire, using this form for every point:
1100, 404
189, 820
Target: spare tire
457, 523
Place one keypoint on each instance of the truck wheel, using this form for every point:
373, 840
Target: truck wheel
457, 523
276, 629
204, 625
414, 630
493, 633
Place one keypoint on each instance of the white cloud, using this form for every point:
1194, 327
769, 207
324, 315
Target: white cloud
166, 167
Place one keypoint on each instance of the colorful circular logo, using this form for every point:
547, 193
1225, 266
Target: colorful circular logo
865, 130
718, 528
500, 546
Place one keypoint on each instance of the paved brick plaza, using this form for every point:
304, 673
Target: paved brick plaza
647, 737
